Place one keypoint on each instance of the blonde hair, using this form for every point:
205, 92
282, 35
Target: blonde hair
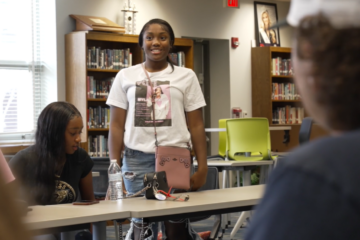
269, 21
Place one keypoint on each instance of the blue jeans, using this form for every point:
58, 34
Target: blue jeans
135, 165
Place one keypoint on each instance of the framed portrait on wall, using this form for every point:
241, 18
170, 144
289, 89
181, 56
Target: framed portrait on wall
265, 17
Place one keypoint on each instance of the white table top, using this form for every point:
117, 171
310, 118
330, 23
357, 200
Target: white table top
270, 128
200, 201
215, 129
43, 217
280, 128
231, 163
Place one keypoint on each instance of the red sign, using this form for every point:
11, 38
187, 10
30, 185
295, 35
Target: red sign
233, 3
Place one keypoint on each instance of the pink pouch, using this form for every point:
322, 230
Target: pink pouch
176, 162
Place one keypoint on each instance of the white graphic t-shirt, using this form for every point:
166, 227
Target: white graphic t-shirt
175, 92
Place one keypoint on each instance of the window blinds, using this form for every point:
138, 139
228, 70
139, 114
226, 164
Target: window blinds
20, 68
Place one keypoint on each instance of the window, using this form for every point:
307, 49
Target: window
21, 68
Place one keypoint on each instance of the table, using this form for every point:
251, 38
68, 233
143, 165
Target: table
208, 202
68, 217
275, 128
285, 128
239, 165
55, 218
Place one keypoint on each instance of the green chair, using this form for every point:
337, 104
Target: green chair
222, 138
248, 139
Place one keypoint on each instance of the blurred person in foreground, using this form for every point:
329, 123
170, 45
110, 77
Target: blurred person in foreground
11, 226
5, 172
314, 193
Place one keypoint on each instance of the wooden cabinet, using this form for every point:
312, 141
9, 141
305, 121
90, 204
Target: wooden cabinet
76, 48
263, 104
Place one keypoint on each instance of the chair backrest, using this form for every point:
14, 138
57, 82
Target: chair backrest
305, 130
100, 183
212, 182
248, 135
222, 137
212, 179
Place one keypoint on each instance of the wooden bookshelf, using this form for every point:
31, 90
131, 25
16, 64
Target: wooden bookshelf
76, 45
262, 102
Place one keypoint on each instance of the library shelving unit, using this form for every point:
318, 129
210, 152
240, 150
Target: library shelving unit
262, 88
76, 48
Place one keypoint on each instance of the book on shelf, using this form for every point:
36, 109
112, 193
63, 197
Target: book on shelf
98, 88
98, 146
281, 67
178, 59
117, 59
288, 115
98, 117
284, 91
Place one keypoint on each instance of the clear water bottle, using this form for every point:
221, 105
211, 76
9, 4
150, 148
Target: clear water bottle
115, 180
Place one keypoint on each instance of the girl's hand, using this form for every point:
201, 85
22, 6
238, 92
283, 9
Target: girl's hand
198, 179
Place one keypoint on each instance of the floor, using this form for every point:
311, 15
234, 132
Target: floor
200, 226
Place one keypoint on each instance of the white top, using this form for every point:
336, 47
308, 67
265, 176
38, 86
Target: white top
42, 217
131, 91
200, 201
270, 128
232, 163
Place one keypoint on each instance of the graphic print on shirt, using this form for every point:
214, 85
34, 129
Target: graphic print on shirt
64, 193
144, 113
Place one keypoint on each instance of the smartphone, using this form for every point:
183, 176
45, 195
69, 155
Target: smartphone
85, 202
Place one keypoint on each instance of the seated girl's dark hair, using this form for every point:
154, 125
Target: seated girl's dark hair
167, 28
50, 147
336, 69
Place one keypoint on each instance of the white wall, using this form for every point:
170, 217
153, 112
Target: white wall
196, 18
110, 9
48, 52
219, 87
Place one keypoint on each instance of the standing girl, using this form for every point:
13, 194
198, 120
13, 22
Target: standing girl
129, 111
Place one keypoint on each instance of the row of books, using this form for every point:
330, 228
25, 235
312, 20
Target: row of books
98, 146
98, 117
288, 115
178, 58
282, 67
284, 91
108, 58
98, 88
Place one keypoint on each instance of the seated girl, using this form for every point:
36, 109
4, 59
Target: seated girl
55, 168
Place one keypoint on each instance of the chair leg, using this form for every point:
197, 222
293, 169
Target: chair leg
225, 174
238, 178
229, 185
216, 227
246, 178
99, 230
240, 221
116, 230
263, 174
